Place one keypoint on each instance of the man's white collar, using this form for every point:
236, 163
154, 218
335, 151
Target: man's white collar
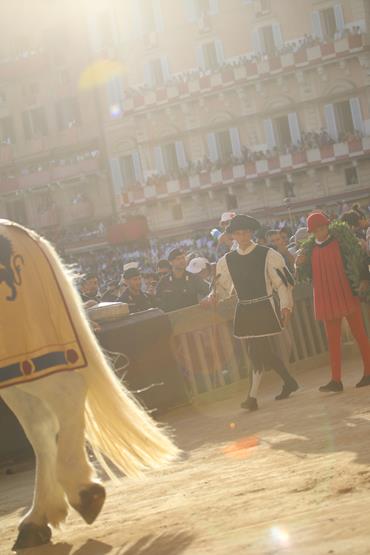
247, 250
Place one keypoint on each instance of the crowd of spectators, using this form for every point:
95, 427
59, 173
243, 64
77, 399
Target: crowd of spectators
152, 259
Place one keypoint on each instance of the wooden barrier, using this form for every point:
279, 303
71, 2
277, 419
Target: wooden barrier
210, 358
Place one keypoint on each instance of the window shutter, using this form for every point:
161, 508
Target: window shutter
159, 161
213, 7
116, 173
316, 25
219, 51
200, 57
180, 154
295, 132
358, 122
256, 41
191, 11
269, 133
158, 16
278, 37
136, 160
165, 68
235, 142
339, 19
331, 124
212, 147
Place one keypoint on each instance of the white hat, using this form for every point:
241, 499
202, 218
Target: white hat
196, 265
130, 265
227, 217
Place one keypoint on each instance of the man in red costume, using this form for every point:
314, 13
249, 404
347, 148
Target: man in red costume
332, 259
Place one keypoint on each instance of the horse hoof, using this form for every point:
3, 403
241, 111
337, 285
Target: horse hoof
32, 535
91, 502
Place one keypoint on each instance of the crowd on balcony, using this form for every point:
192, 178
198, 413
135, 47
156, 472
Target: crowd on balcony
309, 140
294, 46
67, 160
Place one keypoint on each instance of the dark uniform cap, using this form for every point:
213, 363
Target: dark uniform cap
174, 253
131, 272
241, 221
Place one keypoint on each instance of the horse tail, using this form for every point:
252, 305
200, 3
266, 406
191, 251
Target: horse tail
117, 427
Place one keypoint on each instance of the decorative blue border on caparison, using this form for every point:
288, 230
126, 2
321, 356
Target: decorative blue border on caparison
43, 362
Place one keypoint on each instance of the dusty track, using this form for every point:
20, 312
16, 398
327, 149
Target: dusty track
293, 478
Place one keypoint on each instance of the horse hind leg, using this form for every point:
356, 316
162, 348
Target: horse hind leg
66, 393
49, 504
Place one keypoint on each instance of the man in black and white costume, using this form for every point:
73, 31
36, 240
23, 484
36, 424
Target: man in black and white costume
255, 272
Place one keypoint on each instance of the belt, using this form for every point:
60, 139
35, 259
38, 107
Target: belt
253, 301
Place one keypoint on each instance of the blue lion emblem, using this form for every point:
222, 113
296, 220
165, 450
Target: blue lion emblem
10, 267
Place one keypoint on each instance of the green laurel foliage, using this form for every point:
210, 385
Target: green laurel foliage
354, 258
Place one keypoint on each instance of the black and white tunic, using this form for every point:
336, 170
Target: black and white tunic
254, 274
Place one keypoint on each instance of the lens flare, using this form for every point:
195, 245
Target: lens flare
99, 73
115, 111
241, 449
280, 536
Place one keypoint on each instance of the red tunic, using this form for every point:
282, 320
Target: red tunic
333, 297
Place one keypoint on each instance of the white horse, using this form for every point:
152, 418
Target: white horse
61, 410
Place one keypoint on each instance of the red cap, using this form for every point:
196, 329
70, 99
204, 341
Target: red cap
315, 220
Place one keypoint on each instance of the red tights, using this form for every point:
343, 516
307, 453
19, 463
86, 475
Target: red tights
333, 332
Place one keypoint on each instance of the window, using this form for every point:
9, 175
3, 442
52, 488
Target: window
282, 131
34, 123
328, 22
343, 116
288, 187
224, 146
30, 92
151, 20
231, 201
210, 56
351, 176
156, 72
7, 135
268, 40
170, 158
177, 213
67, 113
127, 169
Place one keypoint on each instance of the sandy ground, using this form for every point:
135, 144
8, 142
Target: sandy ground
292, 478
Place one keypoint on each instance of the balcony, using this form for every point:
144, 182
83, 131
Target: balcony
27, 64
233, 174
61, 171
244, 70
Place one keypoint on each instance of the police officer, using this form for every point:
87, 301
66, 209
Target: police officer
179, 288
136, 299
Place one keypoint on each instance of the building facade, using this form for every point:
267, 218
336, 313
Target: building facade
52, 171
201, 106
261, 106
